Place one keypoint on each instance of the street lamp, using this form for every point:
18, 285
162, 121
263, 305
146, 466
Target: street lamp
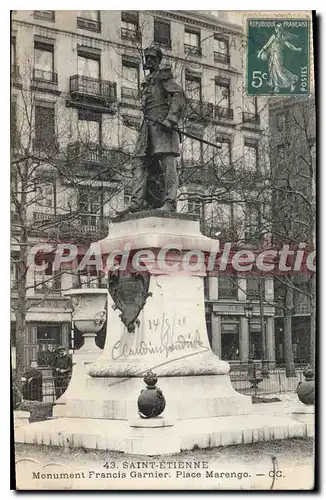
248, 311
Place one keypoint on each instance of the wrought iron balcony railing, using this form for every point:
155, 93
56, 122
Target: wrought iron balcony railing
88, 86
79, 225
252, 118
199, 109
89, 24
193, 50
129, 34
221, 57
222, 113
165, 42
90, 154
45, 76
194, 172
130, 93
45, 15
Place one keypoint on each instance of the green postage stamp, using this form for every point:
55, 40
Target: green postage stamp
278, 56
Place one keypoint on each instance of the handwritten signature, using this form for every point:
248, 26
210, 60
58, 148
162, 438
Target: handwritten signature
164, 347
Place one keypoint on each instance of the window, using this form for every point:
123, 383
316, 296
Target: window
45, 15
250, 157
89, 20
253, 288
13, 54
250, 115
48, 340
230, 338
191, 151
193, 87
130, 25
162, 33
222, 94
195, 206
89, 200
222, 99
44, 126
252, 222
88, 65
90, 206
44, 62
14, 274
223, 156
46, 196
227, 286
89, 127
47, 280
130, 80
192, 42
221, 50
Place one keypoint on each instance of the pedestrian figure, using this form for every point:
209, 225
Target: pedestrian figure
32, 383
61, 371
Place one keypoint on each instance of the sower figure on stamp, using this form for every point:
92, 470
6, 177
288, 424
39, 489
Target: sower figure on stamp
158, 143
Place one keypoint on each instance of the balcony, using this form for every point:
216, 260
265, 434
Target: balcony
89, 24
194, 173
193, 50
163, 41
221, 57
82, 225
44, 15
251, 118
129, 34
84, 87
83, 156
197, 110
222, 113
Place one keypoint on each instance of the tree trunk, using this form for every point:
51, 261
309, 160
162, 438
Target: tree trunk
313, 324
288, 351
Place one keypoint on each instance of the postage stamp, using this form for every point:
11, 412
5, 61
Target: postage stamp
278, 56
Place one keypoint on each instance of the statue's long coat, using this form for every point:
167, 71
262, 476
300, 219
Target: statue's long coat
162, 98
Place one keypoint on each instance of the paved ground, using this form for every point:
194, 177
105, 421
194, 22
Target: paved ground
284, 464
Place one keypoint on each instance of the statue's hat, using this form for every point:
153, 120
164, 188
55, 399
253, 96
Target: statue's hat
155, 51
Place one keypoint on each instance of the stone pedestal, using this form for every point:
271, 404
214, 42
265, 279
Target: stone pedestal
155, 436
89, 315
21, 418
305, 414
170, 338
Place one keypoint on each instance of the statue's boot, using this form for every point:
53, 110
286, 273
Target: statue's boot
128, 210
167, 207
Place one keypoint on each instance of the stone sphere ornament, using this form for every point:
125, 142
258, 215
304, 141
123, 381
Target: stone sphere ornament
151, 401
306, 389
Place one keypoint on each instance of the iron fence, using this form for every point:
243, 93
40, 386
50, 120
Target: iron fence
257, 377
48, 392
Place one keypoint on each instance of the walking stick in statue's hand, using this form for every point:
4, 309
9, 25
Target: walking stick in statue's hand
182, 132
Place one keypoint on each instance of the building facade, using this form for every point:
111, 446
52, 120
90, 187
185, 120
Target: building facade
75, 105
293, 166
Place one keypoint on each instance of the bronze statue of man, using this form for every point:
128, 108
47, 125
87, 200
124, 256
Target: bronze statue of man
158, 142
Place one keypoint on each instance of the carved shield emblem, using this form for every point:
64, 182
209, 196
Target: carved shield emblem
129, 294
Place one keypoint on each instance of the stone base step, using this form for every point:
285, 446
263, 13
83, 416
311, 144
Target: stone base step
115, 435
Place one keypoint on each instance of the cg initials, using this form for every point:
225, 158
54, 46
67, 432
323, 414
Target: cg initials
257, 79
